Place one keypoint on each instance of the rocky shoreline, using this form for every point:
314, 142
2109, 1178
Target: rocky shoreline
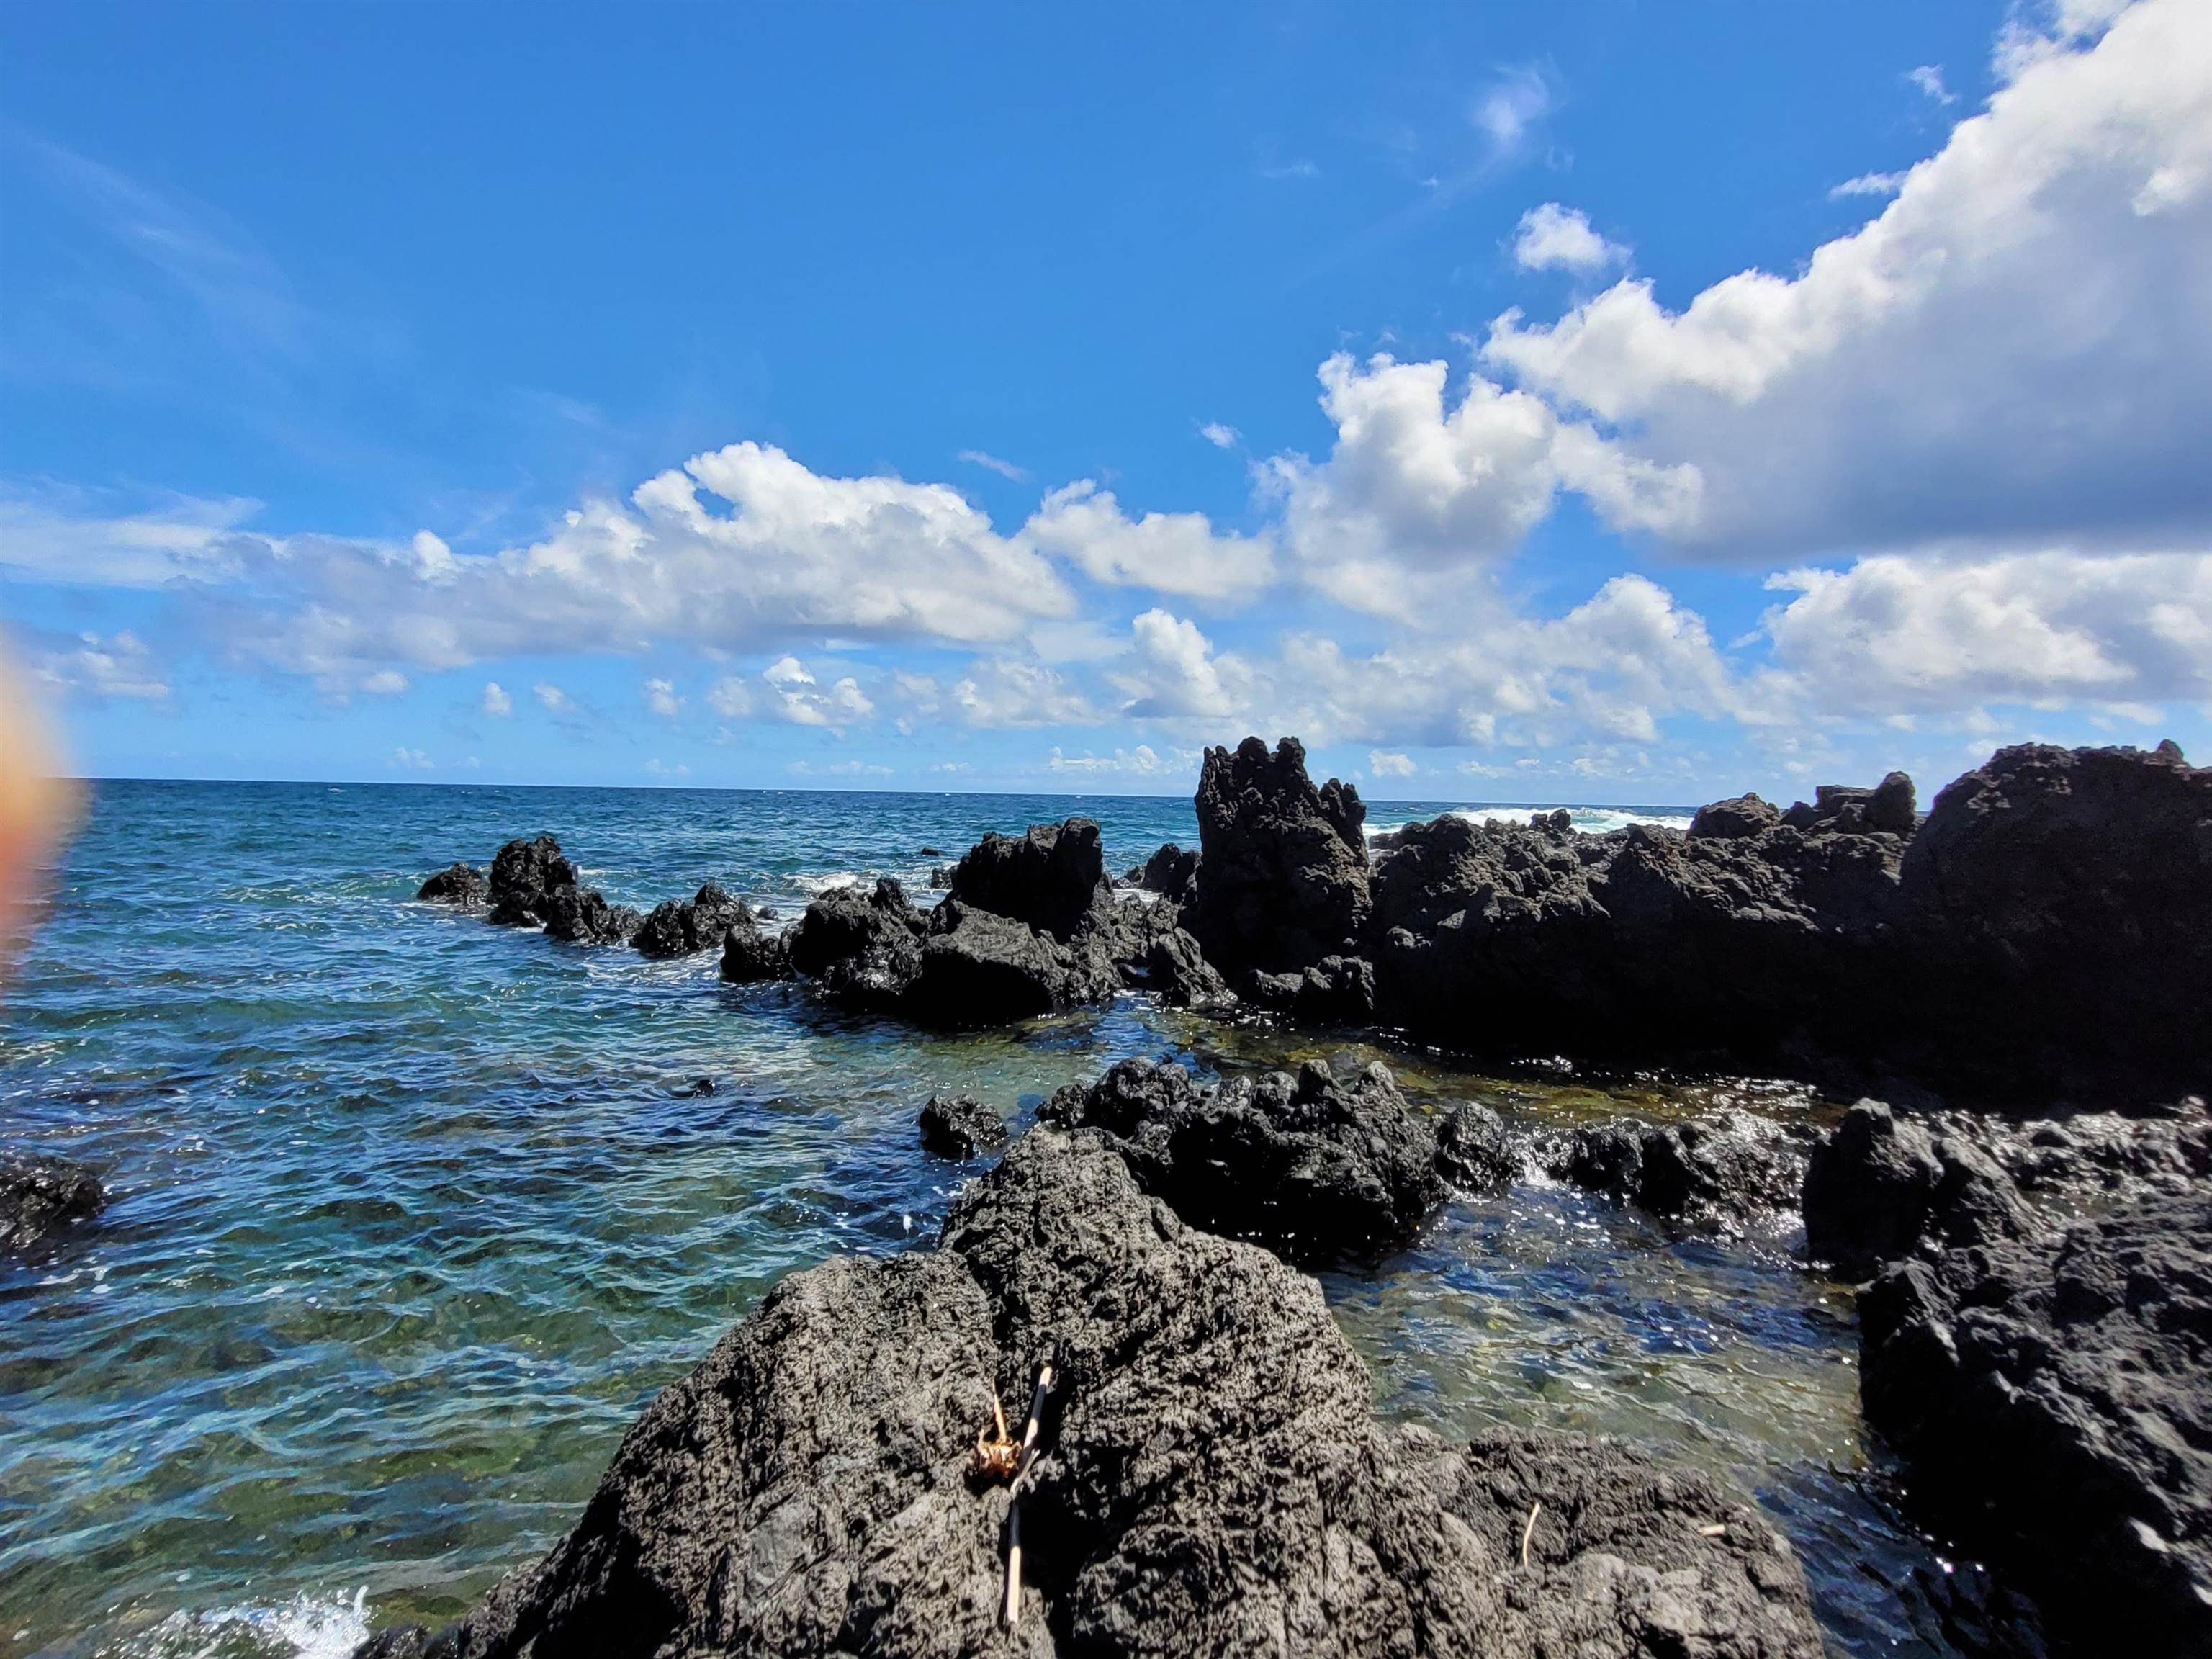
2036, 1322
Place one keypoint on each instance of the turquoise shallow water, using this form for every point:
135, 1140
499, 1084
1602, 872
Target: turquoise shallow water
410, 1213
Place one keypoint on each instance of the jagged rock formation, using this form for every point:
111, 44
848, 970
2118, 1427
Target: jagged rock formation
2045, 1374
1211, 1480
751, 954
1475, 1151
1030, 925
41, 1195
1716, 1170
524, 874
1171, 872
680, 927
1310, 1166
960, 1128
461, 885
1282, 876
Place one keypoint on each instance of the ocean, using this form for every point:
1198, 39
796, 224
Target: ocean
410, 1214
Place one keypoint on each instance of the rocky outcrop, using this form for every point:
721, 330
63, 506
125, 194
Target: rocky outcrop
39, 1196
2052, 1397
1717, 1170
752, 954
1884, 1183
2058, 920
1210, 1479
1171, 872
680, 927
1475, 1151
1050, 878
524, 876
1312, 1167
581, 915
1283, 866
461, 885
1338, 990
1737, 819
960, 1128
1032, 926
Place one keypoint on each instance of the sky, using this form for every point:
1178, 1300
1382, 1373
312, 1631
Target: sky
1605, 403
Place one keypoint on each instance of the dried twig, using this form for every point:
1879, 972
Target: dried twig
1030, 1430
1529, 1531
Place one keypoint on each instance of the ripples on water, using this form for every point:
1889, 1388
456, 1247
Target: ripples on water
410, 1214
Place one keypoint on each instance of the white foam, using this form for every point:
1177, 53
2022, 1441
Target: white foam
305, 1627
1588, 820
823, 883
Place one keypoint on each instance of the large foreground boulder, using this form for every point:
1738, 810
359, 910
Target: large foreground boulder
2052, 1397
1050, 878
1211, 1480
1282, 878
1311, 1167
41, 1195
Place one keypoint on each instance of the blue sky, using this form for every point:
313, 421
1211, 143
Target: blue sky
1608, 402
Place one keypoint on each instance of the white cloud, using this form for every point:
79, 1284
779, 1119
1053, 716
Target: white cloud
1514, 104
1929, 78
1555, 237
70, 536
660, 697
551, 695
655, 769
1868, 183
2020, 346
991, 463
731, 698
995, 692
412, 760
839, 769
384, 683
496, 702
1891, 635
1172, 672
1382, 764
796, 697
1416, 495
1220, 435
1141, 762
93, 668
1292, 170
1168, 552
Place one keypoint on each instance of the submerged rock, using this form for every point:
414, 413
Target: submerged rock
524, 876
2052, 1397
680, 927
1176, 970
960, 1128
1211, 1478
461, 885
1310, 1166
1283, 864
39, 1195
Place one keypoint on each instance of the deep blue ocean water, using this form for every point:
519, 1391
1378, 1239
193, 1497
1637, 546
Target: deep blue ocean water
410, 1214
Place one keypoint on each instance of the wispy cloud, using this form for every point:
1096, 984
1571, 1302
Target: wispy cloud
1928, 77
1218, 434
1868, 183
1299, 169
992, 463
1508, 111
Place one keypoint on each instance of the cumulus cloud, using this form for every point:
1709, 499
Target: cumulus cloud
1141, 762
1382, 764
997, 693
1954, 369
496, 701
660, 697
796, 697
412, 760
1173, 672
1220, 435
1419, 488
96, 668
1555, 237
1168, 552
554, 699
1891, 635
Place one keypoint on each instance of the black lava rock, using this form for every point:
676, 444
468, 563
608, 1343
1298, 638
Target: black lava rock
680, 927
524, 876
461, 885
960, 1128
1475, 1151
1716, 1170
1049, 879
1283, 865
39, 1195
1211, 1478
581, 915
1311, 1167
